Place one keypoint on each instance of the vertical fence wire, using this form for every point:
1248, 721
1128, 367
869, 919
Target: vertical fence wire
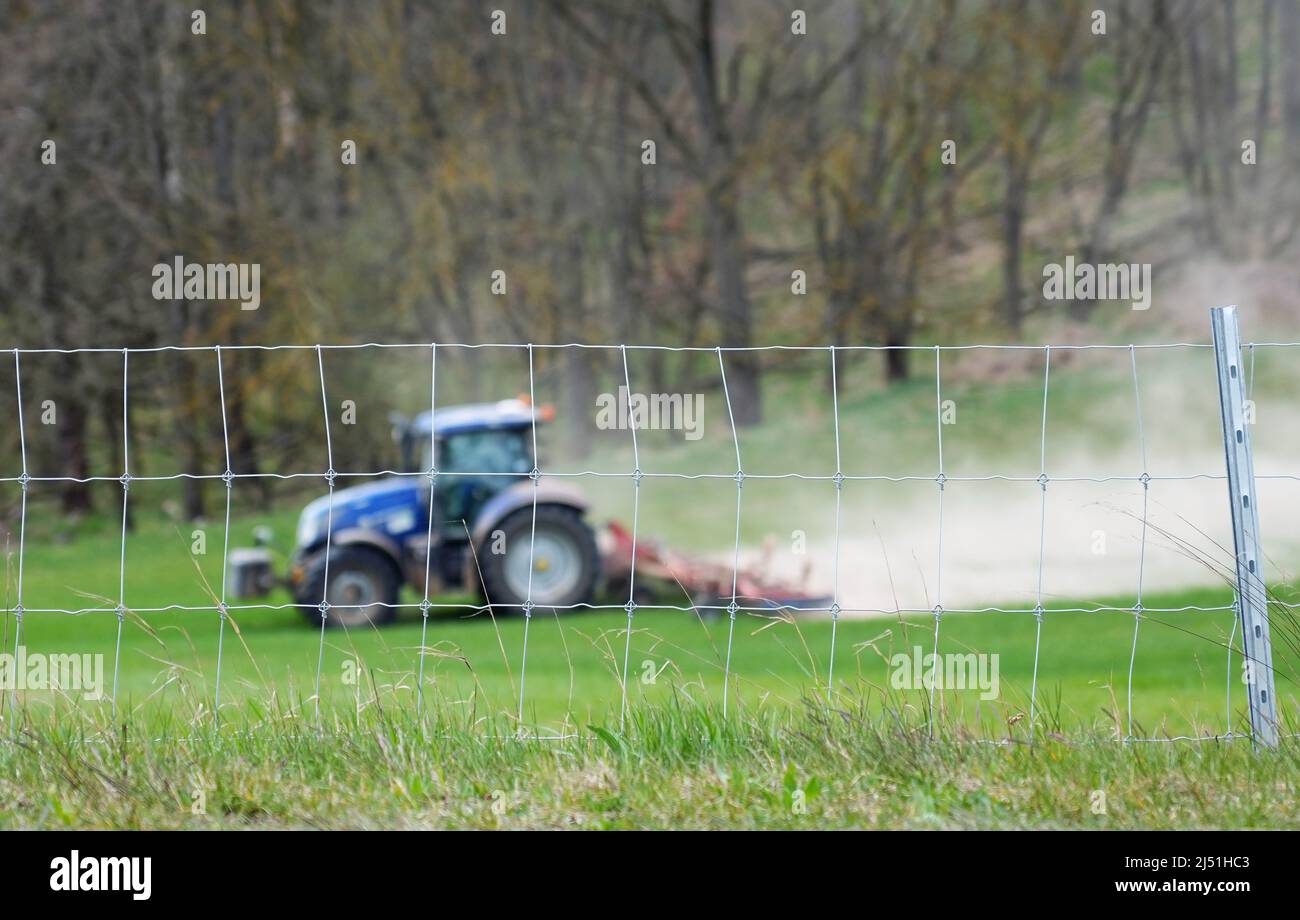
941, 479
1042, 539
536, 477
330, 476
24, 482
228, 477
636, 513
1145, 479
432, 474
835, 559
735, 564
126, 492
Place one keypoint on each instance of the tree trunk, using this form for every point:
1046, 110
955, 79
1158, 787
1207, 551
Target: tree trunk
579, 387
743, 388
243, 448
1289, 27
171, 184
189, 425
73, 425
896, 359
726, 237
1013, 226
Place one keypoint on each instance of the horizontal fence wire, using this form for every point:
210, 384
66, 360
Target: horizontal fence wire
735, 602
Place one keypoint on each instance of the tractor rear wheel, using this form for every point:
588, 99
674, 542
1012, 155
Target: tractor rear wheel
565, 561
363, 584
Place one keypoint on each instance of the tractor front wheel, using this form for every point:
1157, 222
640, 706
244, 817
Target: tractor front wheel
555, 565
363, 586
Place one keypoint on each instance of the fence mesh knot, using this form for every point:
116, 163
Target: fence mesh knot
535, 474
120, 610
1038, 612
528, 609
732, 608
330, 476
937, 612
18, 611
739, 478
228, 477
835, 611
431, 474
942, 480
1145, 479
324, 608
1043, 481
425, 607
838, 479
223, 611
125, 480
630, 607
637, 475
23, 480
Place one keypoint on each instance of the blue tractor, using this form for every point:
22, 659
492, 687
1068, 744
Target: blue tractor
356, 550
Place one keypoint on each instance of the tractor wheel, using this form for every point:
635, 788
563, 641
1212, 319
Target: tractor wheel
361, 582
565, 560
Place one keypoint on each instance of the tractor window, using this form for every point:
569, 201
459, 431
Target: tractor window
500, 451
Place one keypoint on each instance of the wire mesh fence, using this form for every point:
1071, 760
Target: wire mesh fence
730, 602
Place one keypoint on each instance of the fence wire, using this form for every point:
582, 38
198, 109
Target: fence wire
330, 476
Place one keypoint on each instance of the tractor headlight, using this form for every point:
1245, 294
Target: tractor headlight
313, 521
310, 525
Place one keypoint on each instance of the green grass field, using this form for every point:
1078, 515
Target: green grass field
675, 766
474, 664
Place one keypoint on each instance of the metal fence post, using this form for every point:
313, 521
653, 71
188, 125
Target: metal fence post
1252, 594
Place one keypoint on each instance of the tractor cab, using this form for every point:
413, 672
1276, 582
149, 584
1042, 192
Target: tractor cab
477, 450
